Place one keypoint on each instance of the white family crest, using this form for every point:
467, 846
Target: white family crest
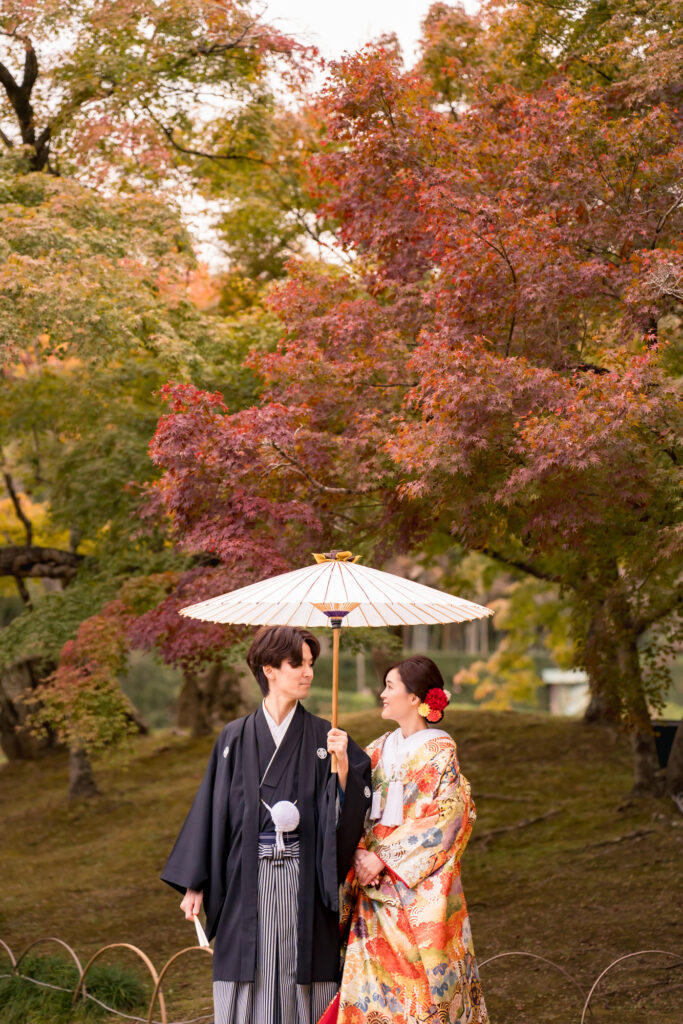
226, 751
322, 753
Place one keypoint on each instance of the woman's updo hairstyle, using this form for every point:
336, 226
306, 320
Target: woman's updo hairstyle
419, 675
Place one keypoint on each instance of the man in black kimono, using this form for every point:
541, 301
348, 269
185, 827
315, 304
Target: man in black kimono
270, 835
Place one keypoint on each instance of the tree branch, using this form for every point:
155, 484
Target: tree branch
23, 592
589, 64
204, 50
641, 622
9, 82
30, 68
409, 386
21, 515
19, 97
217, 157
663, 219
635, 834
517, 563
387, 110
588, 368
30, 561
508, 343
486, 837
304, 472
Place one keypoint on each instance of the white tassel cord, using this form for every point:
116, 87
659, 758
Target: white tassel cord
376, 808
393, 809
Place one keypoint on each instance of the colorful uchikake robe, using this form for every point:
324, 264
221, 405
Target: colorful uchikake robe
410, 956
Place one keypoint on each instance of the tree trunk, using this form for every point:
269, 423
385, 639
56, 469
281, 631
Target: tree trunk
208, 698
81, 782
647, 776
610, 656
17, 742
599, 660
193, 709
674, 769
134, 716
598, 711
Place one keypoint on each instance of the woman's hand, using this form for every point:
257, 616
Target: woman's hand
368, 867
191, 904
337, 743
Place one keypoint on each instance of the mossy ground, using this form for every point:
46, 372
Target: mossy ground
599, 878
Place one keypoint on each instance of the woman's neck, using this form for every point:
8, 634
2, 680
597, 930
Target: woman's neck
278, 706
409, 727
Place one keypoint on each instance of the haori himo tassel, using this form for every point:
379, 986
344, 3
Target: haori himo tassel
376, 806
286, 818
393, 808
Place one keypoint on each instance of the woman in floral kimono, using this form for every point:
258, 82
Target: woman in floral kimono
410, 956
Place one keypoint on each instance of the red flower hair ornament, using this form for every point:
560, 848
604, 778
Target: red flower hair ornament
432, 707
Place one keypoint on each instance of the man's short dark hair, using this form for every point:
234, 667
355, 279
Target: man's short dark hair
274, 644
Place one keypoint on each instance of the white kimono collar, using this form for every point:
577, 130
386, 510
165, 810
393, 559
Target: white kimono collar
396, 751
398, 748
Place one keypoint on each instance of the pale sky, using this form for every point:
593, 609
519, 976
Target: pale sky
348, 24
334, 27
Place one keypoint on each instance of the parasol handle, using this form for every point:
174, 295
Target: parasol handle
336, 626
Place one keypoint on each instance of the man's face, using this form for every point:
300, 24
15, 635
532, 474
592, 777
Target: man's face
292, 682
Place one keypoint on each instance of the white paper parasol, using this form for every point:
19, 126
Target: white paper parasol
336, 592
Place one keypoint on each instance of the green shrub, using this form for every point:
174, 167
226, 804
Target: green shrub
24, 1002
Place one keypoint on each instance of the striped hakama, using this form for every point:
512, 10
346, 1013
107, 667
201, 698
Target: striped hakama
274, 996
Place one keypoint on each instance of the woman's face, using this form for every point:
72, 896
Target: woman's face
399, 704
292, 682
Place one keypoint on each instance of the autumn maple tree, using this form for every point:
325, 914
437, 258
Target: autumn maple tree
495, 369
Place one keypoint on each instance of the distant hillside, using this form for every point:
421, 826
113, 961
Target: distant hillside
592, 879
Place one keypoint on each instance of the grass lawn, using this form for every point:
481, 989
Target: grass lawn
596, 878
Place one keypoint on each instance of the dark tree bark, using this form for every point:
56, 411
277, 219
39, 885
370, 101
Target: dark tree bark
81, 781
598, 711
21, 515
647, 776
193, 708
28, 560
19, 97
15, 739
674, 769
138, 721
208, 698
610, 656
599, 660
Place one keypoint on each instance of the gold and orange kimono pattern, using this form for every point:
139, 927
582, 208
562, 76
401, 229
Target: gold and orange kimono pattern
410, 956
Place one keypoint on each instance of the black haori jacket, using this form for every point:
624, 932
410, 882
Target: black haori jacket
217, 849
